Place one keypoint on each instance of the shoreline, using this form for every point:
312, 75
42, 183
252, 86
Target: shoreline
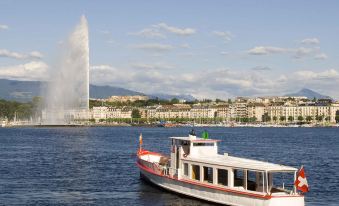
176, 125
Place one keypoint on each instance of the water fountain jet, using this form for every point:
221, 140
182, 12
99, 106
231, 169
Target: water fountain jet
67, 96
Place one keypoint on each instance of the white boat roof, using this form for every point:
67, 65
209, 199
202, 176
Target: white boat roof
243, 163
234, 162
195, 139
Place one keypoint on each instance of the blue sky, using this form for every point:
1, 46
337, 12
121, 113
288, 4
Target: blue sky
206, 48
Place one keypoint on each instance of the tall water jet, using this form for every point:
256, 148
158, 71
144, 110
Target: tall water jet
67, 95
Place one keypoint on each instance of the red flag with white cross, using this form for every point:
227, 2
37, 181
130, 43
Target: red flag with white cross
301, 181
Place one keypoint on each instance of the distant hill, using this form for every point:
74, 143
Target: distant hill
310, 94
162, 96
23, 91
102, 92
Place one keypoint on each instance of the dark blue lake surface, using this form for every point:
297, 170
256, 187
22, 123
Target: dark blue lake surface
96, 166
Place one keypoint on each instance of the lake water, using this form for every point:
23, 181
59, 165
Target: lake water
96, 166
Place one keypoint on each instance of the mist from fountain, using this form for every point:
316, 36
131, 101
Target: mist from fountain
67, 96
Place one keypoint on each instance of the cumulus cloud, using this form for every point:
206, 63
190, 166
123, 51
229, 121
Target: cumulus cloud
35, 70
225, 35
175, 30
266, 50
323, 75
3, 27
297, 53
149, 33
302, 52
159, 30
211, 83
321, 56
310, 41
154, 47
261, 68
16, 55
155, 66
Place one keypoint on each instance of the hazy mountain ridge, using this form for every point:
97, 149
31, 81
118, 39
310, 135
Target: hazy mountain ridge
310, 94
24, 91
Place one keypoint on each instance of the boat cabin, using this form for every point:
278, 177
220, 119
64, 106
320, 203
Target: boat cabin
196, 160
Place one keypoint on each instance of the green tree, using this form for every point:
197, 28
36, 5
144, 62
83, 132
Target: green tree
175, 101
266, 118
282, 118
337, 118
309, 118
136, 113
327, 119
319, 118
275, 118
290, 118
300, 118
229, 101
218, 100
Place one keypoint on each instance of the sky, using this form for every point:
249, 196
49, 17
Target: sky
209, 49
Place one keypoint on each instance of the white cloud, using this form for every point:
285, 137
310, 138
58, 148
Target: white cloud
321, 56
3, 27
266, 50
311, 75
212, 83
16, 55
154, 47
101, 67
302, 52
185, 46
155, 66
159, 30
261, 68
310, 41
297, 53
149, 33
225, 35
35, 70
175, 30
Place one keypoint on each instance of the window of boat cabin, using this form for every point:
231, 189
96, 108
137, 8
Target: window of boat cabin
238, 178
252, 180
195, 172
208, 174
203, 144
223, 177
186, 169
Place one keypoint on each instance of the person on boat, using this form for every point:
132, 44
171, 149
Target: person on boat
192, 132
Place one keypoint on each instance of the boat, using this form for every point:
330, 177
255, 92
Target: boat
195, 169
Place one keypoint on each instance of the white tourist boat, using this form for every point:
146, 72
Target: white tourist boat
195, 169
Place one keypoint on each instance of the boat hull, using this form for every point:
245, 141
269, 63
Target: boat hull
218, 196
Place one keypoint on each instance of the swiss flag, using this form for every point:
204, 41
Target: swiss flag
301, 181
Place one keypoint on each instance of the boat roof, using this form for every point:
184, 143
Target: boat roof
243, 163
195, 139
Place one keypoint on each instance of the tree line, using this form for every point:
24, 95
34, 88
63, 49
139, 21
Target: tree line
20, 110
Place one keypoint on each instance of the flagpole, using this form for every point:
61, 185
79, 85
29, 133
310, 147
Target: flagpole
140, 142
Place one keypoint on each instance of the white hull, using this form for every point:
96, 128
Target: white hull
219, 196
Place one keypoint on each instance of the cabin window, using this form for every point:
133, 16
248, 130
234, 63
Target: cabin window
223, 177
186, 169
195, 172
208, 174
251, 180
238, 178
203, 144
